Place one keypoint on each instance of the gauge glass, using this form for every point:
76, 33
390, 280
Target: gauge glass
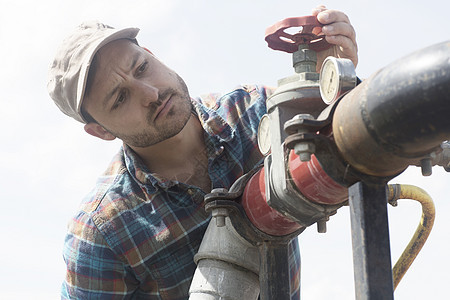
264, 135
337, 76
329, 81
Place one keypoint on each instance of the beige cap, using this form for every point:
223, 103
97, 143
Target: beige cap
69, 70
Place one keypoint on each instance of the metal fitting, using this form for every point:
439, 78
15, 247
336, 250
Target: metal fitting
426, 166
219, 213
322, 225
446, 155
304, 60
304, 149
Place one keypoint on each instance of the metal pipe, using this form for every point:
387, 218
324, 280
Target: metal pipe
227, 266
398, 115
274, 272
260, 214
370, 241
313, 182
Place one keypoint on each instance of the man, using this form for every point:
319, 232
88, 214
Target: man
137, 231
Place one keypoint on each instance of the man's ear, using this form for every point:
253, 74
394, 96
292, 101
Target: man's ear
99, 131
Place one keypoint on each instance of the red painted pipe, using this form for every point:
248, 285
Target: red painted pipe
264, 217
312, 181
309, 178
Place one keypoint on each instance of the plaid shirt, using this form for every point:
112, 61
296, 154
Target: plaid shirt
136, 234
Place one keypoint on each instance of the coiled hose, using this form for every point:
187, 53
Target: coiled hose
397, 191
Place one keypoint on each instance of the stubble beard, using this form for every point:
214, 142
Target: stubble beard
178, 116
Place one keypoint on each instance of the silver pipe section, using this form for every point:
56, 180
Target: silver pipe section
227, 265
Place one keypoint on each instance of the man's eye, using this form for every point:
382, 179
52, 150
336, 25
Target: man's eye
120, 99
142, 67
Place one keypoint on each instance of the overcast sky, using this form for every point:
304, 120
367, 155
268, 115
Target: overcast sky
48, 163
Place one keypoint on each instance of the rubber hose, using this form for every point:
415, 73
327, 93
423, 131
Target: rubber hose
423, 230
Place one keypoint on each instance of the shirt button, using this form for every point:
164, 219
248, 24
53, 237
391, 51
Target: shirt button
220, 150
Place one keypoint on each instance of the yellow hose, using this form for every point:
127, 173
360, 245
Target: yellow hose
411, 251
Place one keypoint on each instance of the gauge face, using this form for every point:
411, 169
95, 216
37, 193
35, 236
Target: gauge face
264, 135
337, 76
329, 81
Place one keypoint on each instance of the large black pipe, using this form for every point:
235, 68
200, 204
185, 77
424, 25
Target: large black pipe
398, 115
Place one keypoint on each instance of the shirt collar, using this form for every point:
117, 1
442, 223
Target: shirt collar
141, 174
213, 123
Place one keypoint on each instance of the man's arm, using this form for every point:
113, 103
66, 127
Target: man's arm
339, 32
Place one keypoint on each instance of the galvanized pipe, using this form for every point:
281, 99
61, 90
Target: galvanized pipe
227, 266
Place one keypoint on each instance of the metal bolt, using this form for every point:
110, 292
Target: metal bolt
221, 191
304, 149
219, 215
445, 155
322, 225
426, 166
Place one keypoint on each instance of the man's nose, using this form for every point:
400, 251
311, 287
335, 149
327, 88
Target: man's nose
146, 93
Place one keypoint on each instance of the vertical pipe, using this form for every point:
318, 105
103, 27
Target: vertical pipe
370, 242
274, 271
227, 266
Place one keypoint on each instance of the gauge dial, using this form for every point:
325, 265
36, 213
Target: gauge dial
337, 76
264, 135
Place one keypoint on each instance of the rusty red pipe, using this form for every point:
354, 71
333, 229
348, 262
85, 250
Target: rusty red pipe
310, 180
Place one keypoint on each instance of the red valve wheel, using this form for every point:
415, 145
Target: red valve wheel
278, 39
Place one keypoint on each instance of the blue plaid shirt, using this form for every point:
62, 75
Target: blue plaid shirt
136, 234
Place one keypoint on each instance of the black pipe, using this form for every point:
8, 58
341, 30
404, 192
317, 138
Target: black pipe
274, 271
398, 115
370, 241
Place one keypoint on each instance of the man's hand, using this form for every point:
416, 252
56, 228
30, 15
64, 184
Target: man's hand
339, 32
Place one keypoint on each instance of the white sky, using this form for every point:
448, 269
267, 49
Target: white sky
48, 163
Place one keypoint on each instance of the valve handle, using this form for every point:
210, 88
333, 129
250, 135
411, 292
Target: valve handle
278, 39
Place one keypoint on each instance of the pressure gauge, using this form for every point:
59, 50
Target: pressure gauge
337, 76
264, 135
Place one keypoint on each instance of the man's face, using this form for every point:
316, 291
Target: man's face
135, 97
